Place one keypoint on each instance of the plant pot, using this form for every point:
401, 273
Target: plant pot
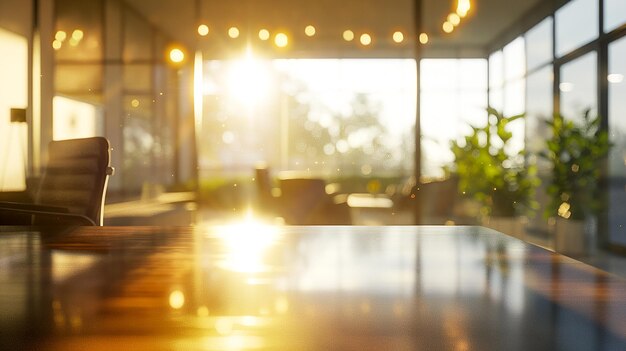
511, 225
575, 237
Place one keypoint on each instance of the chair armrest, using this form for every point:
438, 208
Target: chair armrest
32, 207
43, 216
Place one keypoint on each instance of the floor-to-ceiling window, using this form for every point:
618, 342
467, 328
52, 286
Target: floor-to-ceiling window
569, 44
617, 128
453, 98
349, 121
13, 95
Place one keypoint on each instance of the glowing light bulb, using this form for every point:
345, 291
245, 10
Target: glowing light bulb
454, 19
423, 38
264, 34
309, 31
233, 32
366, 39
177, 55
398, 37
281, 40
348, 35
203, 30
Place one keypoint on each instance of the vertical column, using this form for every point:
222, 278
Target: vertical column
46, 34
112, 89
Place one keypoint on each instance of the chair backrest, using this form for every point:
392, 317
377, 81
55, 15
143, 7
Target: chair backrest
76, 176
302, 199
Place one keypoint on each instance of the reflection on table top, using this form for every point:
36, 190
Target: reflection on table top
251, 286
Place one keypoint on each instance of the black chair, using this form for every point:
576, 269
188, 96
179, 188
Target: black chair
305, 201
72, 189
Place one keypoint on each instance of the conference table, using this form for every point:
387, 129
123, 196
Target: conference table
254, 286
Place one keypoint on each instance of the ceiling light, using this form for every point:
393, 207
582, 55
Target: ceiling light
398, 37
177, 55
348, 35
233, 32
60, 35
309, 31
366, 39
447, 27
463, 7
423, 38
77, 34
264, 34
281, 40
203, 30
454, 19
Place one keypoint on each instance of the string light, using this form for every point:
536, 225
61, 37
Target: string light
264, 34
463, 7
423, 38
203, 30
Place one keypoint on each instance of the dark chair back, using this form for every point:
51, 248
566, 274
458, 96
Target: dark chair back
76, 176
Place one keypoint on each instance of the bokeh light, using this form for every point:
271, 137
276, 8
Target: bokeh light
348, 35
398, 37
423, 38
177, 55
447, 27
309, 31
365, 39
281, 40
233, 32
203, 30
264, 34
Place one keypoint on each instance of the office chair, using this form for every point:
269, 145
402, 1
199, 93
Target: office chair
73, 186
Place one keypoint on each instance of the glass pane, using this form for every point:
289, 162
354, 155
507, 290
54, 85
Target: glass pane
137, 38
13, 94
78, 79
447, 112
496, 69
614, 14
539, 107
319, 117
578, 86
617, 129
78, 35
75, 119
576, 25
137, 78
514, 59
539, 44
496, 98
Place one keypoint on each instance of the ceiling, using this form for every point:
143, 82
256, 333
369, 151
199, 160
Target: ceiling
380, 18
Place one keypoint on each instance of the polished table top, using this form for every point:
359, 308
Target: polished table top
251, 286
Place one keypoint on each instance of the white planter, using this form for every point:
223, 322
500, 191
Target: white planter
575, 237
512, 226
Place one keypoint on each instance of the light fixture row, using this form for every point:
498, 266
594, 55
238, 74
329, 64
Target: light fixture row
454, 18
282, 39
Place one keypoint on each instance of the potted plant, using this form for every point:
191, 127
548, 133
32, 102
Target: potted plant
491, 174
575, 151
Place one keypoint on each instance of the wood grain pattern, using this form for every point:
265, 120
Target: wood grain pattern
252, 286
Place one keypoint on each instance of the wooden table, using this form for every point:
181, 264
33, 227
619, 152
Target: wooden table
251, 286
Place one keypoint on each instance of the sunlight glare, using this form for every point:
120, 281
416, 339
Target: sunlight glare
247, 243
248, 80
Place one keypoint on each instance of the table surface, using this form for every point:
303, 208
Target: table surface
252, 286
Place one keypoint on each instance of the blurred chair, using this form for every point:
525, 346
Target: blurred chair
305, 201
72, 189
